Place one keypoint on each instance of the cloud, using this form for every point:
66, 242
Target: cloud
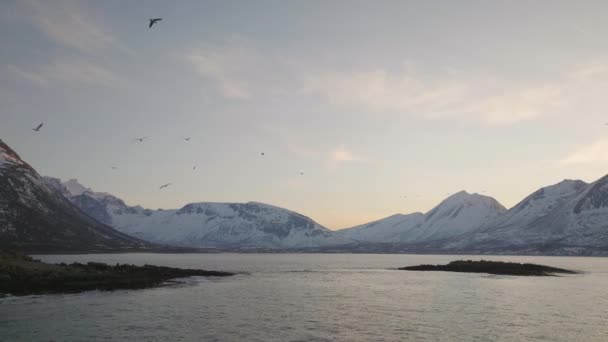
240, 70
29, 76
341, 154
595, 152
67, 24
230, 68
70, 71
380, 91
589, 70
488, 100
520, 105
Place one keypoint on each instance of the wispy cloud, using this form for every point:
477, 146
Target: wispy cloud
341, 154
67, 24
474, 98
595, 152
518, 105
232, 68
379, 90
70, 71
29, 76
240, 70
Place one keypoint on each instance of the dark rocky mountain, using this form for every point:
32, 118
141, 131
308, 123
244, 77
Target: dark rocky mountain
35, 217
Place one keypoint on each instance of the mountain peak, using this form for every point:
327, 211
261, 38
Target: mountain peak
8, 155
75, 188
35, 216
468, 199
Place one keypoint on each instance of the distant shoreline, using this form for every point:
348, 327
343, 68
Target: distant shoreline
23, 275
286, 251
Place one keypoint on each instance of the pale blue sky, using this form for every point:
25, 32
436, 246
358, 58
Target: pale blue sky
372, 100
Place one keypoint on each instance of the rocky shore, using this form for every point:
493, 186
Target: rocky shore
22, 275
492, 267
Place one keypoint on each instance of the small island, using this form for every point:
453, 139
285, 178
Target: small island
22, 275
492, 267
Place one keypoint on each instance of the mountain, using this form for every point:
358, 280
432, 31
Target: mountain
221, 225
563, 218
34, 217
456, 215
389, 229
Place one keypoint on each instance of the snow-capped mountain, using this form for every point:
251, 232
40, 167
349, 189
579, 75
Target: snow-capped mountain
204, 224
389, 229
458, 214
35, 217
569, 215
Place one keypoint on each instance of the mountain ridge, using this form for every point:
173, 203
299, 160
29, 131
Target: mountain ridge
204, 224
34, 217
456, 214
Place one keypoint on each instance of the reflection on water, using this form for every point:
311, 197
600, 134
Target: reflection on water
322, 297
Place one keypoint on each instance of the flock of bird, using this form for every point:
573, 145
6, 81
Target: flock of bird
151, 22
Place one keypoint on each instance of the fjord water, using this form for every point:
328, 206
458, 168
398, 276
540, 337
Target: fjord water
322, 297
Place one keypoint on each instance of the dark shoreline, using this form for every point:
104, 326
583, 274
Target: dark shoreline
493, 267
22, 275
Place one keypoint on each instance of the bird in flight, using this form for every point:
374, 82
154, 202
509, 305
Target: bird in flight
37, 129
140, 139
164, 186
262, 153
154, 21
301, 173
187, 139
114, 168
194, 167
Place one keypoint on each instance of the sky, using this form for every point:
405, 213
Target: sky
385, 106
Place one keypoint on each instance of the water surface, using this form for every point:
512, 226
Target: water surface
322, 297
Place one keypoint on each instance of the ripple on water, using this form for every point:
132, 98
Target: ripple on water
322, 298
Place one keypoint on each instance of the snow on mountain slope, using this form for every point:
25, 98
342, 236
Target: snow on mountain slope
387, 229
34, 217
204, 224
540, 203
569, 214
457, 214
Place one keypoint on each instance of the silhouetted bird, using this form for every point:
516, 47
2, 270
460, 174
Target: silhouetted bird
164, 186
194, 167
154, 21
301, 173
114, 168
187, 139
37, 129
140, 139
262, 153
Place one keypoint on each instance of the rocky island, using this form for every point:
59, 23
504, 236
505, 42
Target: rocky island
22, 275
492, 267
